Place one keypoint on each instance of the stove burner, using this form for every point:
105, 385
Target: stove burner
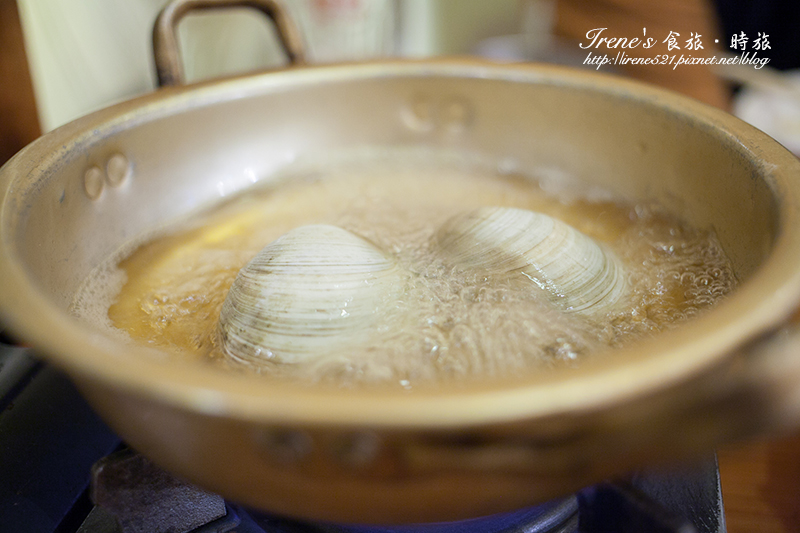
134, 496
554, 517
49, 438
146, 499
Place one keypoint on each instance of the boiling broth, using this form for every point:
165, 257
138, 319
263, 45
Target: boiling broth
448, 324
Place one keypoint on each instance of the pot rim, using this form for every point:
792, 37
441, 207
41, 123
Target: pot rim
758, 307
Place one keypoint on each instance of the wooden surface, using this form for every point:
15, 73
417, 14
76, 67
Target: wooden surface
760, 481
18, 121
761, 486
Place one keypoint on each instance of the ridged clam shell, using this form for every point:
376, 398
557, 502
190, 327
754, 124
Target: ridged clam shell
574, 271
315, 288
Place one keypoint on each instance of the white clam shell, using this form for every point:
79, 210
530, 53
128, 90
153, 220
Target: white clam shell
314, 289
574, 271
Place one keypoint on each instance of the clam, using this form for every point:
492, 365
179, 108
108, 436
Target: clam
315, 289
575, 273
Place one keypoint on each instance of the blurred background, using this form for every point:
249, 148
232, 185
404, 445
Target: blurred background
86, 54
61, 59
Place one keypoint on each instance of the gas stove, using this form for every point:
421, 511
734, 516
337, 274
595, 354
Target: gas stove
64, 471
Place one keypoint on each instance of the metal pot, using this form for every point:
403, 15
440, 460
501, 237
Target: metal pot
77, 194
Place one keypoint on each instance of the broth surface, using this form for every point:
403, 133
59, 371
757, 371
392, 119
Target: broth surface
447, 325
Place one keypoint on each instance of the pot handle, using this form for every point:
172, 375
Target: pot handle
165, 39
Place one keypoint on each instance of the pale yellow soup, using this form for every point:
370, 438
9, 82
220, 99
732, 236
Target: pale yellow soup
446, 324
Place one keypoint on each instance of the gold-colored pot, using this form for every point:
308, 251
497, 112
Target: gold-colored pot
459, 451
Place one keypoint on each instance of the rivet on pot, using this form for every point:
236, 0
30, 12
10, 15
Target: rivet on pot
285, 446
93, 183
418, 114
357, 449
117, 169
